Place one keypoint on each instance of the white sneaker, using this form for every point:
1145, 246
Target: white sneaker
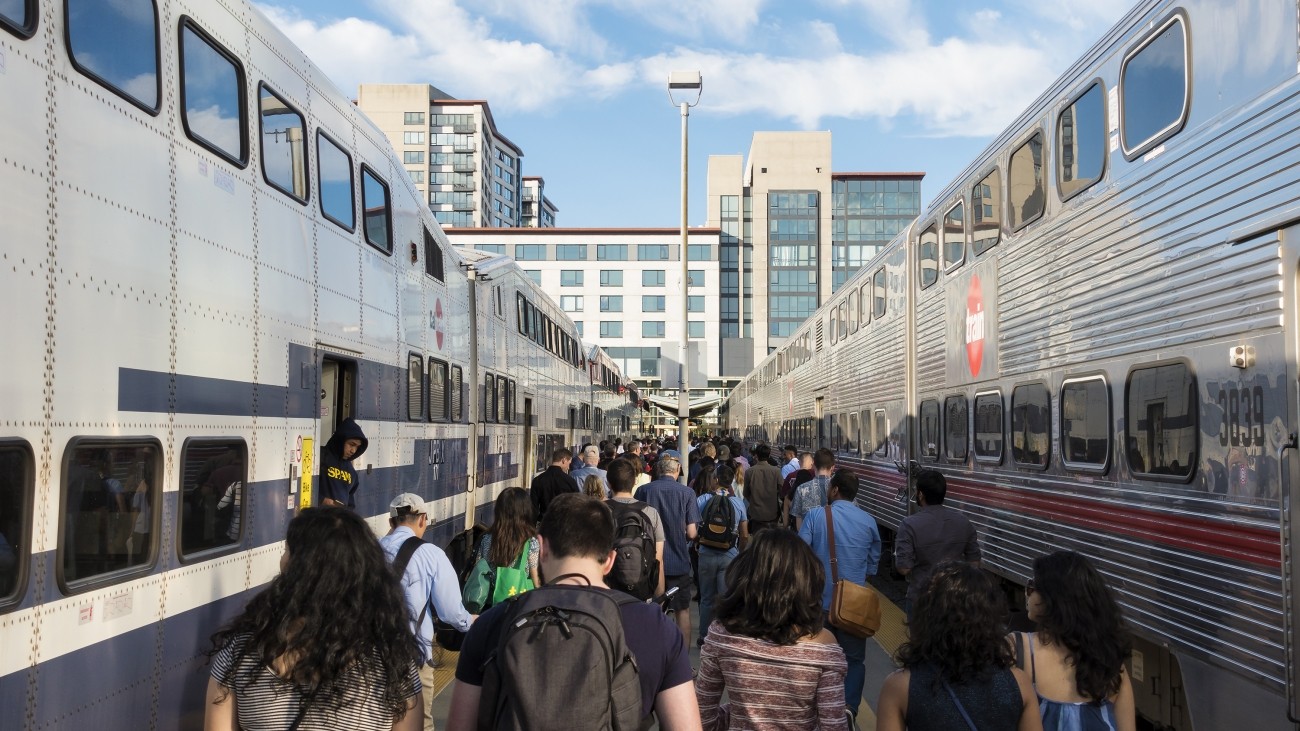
853, 720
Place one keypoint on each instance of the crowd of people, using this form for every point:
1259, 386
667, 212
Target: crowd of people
597, 565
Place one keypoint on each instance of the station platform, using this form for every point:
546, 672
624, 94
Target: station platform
879, 662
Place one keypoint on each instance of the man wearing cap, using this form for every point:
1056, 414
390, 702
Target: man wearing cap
429, 583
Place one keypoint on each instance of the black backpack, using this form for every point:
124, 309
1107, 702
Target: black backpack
636, 567
718, 524
560, 653
462, 551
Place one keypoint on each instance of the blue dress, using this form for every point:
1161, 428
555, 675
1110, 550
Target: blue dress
1062, 715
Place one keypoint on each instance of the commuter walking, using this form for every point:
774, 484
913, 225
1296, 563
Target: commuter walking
590, 461
327, 646
511, 543
932, 535
554, 480
634, 571
338, 479
767, 648
812, 494
681, 514
791, 463
723, 533
1076, 658
857, 556
762, 491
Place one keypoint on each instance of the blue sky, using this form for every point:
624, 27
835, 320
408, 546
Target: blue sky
580, 85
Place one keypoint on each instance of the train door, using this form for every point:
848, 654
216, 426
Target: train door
1289, 462
527, 452
337, 397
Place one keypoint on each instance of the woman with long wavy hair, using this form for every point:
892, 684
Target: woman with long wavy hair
958, 670
326, 646
1076, 658
514, 529
767, 647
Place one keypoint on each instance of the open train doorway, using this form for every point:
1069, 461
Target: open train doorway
337, 396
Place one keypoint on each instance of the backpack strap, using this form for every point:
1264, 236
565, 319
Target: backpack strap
1033, 666
408, 549
1020, 649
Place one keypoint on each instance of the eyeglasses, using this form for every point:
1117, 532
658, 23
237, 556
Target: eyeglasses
1029, 588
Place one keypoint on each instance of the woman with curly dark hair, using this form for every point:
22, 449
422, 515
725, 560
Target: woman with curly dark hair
958, 669
1076, 658
326, 646
767, 647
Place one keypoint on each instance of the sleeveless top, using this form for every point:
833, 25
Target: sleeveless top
1064, 715
993, 703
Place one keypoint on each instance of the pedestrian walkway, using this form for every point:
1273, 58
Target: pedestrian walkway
892, 633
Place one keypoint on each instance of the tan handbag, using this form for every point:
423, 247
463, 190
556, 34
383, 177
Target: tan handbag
854, 608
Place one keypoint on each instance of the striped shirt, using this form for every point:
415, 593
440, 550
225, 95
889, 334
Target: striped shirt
771, 687
264, 702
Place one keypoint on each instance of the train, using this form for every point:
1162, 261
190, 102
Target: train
1092, 332
209, 258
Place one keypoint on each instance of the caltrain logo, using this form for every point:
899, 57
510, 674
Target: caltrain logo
974, 327
436, 321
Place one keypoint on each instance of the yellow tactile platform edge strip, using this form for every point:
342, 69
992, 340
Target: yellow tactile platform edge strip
446, 672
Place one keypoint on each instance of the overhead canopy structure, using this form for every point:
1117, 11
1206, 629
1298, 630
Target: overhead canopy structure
699, 407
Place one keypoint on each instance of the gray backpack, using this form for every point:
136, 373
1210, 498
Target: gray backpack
561, 651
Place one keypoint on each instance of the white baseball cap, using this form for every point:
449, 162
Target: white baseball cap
409, 500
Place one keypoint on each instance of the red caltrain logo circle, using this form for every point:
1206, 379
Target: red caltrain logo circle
974, 327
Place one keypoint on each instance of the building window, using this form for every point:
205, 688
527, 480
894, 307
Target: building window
611, 277
1085, 423
699, 252
413, 157
695, 303
530, 252
611, 303
1153, 88
284, 159
413, 138
578, 324
652, 329
1031, 417
571, 303
1025, 196
535, 275
212, 490
695, 329
695, 277
611, 329
115, 44
652, 252
212, 89
413, 118
652, 278
337, 197
571, 278
611, 252
986, 212
1161, 420
111, 488
571, 252
417, 176
377, 214
653, 303
1081, 142
988, 427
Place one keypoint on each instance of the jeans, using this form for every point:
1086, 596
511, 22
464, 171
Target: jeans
713, 581
855, 652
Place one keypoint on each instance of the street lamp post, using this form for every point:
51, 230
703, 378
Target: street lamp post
684, 83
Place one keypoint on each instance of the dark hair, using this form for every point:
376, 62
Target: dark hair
512, 525
577, 526
958, 625
1080, 614
622, 474
561, 455
762, 452
932, 485
705, 481
774, 589
792, 449
847, 483
724, 476
336, 608
823, 459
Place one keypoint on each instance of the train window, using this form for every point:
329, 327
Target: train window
864, 304
110, 528
18, 17
284, 148
212, 95
852, 445
503, 400
986, 212
490, 399
928, 255
1025, 183
116, 44
453, 390
853, 311
521, 313
1081, 142
437, 390
1153, 88
835, 325
844, 319
433, 262
213, 475
337, 196
988, 427
17, 485
415, 387
930, 437
375, 211
878, 294
955, 419
1031, 415
1085, 423
511, 411
954, 237
880, 432
1161, 421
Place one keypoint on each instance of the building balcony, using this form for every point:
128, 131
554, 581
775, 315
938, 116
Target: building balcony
462, 206
463, 187
463, 129
464, 147
464, 167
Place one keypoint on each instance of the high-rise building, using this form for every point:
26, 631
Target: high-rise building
538, 210
468, 171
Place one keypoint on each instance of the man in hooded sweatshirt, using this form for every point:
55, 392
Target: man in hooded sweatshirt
338, 480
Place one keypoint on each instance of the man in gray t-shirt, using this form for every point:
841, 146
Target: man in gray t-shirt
622, 478
932, 535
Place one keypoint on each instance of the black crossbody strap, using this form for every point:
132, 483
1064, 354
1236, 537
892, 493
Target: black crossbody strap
302, 712
403, 557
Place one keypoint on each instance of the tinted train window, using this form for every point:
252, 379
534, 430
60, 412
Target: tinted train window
337, 196
503, 400
1025, 182
1031, 417
437, 390
1153, 88
864, 304
880, 432
957, 436
1081, 142
986, 212
457, 408
16, 487
109, 492
878, 288
1161, 417
490, 399
853, 311
988, 427
432, 256
375, 211
511, 412
415, 388
930, 430
19, 18
954, 237
284, 149
212, 494
116, 44
928, 256
212, 91
1085, 423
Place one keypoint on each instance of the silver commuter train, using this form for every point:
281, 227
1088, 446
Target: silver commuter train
210, 257
1093, 333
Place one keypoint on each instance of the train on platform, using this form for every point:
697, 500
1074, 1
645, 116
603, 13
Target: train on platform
1093, 332
209, 258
